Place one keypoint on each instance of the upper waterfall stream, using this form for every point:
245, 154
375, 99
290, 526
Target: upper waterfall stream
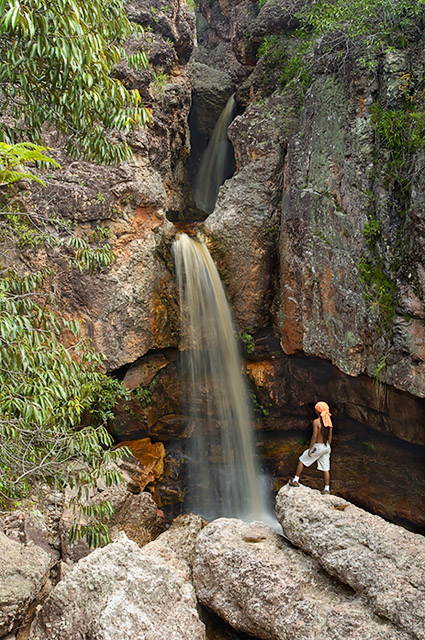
218, 162
223, 476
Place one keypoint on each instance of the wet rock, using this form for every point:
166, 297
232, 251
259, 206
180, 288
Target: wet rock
383, 562
143, 371
154, 409
359, 470
252, 578
244, 224
23, 574
287, 386
242, 242
263, 130
120, 592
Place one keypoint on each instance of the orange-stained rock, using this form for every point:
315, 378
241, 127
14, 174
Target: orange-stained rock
127, 308
373, 429
261, 372
150, 457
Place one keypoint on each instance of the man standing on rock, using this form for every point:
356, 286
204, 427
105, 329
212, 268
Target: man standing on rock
320, 447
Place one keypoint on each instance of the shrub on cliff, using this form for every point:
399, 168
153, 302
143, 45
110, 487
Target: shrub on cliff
57, 72
331, 32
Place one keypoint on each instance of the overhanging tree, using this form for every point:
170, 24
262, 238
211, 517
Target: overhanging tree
57, 71
57, 61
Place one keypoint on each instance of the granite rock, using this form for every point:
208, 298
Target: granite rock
260, 584
135, 514
120, 592
383, 562
176, 546
23, 573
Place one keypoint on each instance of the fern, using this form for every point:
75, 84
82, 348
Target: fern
13, 156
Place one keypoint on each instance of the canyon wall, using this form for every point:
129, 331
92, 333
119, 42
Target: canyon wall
295, 234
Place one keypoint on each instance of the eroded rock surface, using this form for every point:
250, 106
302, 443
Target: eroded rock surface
176, 546
243, 226
130, 307
252, 578
23, 574
382, 561
120, 592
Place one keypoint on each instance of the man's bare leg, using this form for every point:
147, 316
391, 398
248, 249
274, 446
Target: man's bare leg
327, 477
300, 468
294, 482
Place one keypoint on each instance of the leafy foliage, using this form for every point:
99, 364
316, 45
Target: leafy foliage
372, 232
376, 20
379, 291
367, 25
247, 339
12, 156
57, 65
399, 134
55, 400
46, 388
337, 30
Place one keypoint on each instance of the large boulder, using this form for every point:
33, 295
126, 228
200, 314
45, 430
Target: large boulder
383, 562
176, 546
120, 592
260, 584
23, 573
211, 88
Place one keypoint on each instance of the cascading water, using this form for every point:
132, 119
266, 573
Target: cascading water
217, 163
223, 477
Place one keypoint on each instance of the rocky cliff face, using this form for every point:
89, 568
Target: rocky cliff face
130, 307
329, 176
295, 234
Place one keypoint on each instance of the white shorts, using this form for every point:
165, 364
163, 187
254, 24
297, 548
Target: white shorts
320, 453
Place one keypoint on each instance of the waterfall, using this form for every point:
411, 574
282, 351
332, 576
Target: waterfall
217, 163
223, 478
